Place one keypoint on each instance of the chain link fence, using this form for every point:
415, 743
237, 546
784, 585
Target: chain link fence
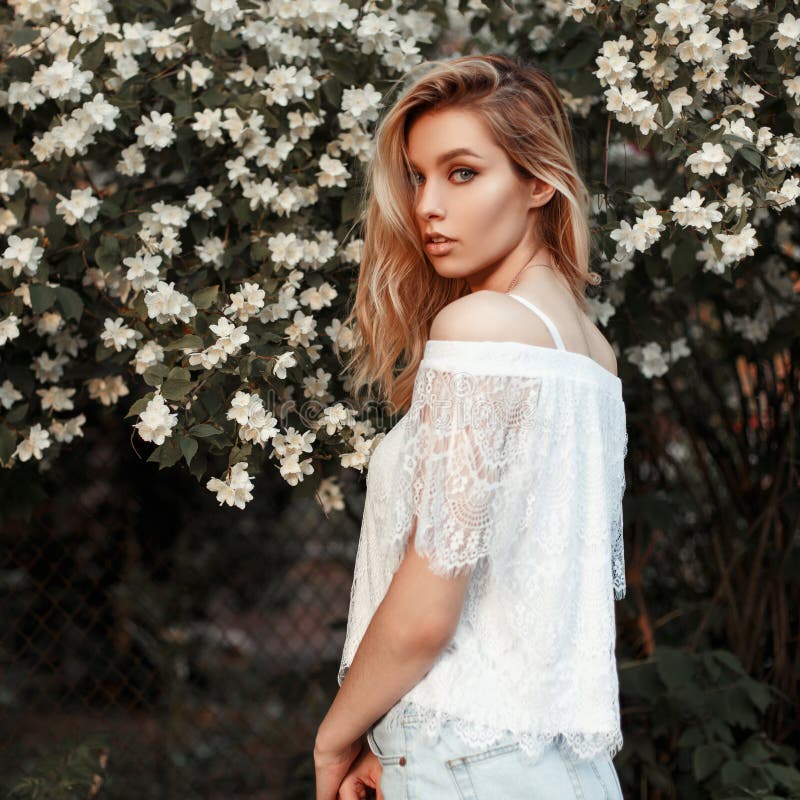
197, 644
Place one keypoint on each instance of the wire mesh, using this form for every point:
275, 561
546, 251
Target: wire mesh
199, 643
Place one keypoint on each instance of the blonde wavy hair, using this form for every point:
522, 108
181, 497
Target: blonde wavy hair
398, 293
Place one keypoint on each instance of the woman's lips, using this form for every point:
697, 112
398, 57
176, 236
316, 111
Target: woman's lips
439, 248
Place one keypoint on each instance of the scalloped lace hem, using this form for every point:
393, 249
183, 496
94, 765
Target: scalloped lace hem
580, 745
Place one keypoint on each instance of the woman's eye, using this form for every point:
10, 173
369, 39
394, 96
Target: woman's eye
465, 169
471, 172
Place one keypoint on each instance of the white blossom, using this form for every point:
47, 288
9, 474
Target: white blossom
80, 205
56, 398
157, 131
9, 394
246, 303
710, 158
690, 211
332, 172
282, 363
9, 329
644, 232
256, 424
22, 255
336, 417
736, 246
143, 270
147, 355
156, 421
32, 446
65, 430
167, 304
330, 495
788, 33
107, 390
235, 489
787, 194
118, 335
359, 456
220, 14
650, 359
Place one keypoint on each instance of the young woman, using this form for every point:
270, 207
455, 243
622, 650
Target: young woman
479, 655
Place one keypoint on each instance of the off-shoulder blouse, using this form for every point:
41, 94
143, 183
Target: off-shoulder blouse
511, 459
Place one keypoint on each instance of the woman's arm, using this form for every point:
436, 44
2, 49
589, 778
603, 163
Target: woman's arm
410, 628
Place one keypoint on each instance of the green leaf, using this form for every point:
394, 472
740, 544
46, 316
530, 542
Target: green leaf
174, 389
350, 205
751, 155
201, 36
729, 660
707, 760
139, 405
184, 150
23, 36
190, 340
198, 466
74, 50
167, 454
682, 262
788, 777
70, 302
203, 429
204, 298
106, 256
188, 448
579, 56
154, 375
213, 98
8, 443
332, 91
180, 374
183, 106
42, 297
675, 668
93, 55
239, 453
102, 353
55, 230
17, 413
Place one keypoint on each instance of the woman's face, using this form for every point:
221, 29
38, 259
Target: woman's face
475, 199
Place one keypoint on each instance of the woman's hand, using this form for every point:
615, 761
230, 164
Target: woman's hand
365, 772
330, 768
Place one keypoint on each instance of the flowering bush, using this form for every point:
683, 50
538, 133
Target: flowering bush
178, 181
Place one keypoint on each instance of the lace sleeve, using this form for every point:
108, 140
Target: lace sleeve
468, 439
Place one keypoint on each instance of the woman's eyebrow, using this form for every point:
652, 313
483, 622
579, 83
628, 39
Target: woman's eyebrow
458, 151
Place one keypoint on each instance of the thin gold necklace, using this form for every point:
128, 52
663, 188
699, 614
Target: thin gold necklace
516, 277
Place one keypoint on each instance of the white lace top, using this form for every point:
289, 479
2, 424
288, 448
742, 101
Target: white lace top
511, 457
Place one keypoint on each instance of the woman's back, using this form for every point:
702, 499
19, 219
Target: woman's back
510, 462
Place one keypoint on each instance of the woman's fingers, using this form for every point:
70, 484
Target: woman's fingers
352, 789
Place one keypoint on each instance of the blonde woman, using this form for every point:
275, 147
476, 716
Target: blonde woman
479, 655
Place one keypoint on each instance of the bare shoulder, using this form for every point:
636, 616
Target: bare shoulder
477, 316
602, 350
487, 315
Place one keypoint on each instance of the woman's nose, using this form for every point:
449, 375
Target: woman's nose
428, 205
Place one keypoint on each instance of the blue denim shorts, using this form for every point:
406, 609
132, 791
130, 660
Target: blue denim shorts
413, 770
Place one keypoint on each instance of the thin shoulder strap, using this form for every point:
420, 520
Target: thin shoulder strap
547, 321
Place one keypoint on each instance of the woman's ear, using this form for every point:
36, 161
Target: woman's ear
541, 193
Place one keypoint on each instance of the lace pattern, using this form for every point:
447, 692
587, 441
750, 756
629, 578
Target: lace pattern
581, 745
509, 464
